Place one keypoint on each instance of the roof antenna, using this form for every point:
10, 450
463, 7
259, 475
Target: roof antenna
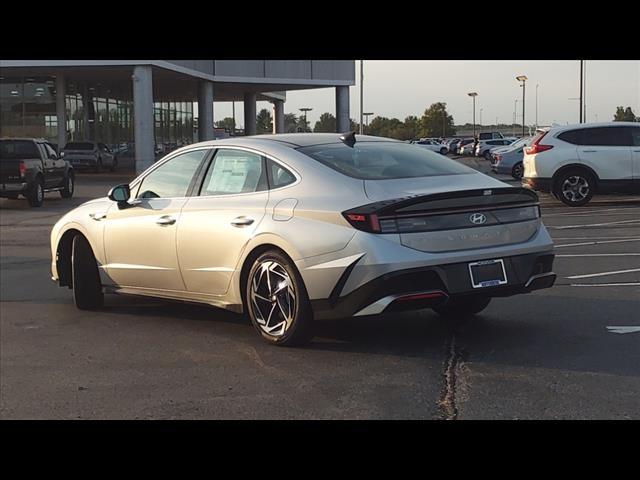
348, 139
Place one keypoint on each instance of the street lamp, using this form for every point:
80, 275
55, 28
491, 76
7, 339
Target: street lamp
474, 95
515, 109
537, 85
305, 110
481, 118
523, 79
361, 94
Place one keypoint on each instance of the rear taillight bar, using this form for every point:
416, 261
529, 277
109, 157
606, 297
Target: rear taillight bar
536, 147
367, 222
23, 168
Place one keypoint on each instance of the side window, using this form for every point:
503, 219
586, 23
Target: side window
635, 136
278, 175
572, 136
51, 153
172, 178
607, 136
234, 171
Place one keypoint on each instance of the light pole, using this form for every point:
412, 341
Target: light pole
523, 79
581, 85
305, 110
233, 114
361, 94
481, 119
537, 85
367, 114
474, 95
515, 109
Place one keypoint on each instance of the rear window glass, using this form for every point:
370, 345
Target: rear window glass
79, 146
382, 160
18, 149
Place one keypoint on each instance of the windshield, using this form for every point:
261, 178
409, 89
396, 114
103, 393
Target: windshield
384, 160
79, 146
18, 149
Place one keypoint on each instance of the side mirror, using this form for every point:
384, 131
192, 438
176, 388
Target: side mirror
120, 193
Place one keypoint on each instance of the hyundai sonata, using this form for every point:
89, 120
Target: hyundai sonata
296, 228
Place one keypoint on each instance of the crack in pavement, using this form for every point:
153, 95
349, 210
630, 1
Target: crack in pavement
454, 367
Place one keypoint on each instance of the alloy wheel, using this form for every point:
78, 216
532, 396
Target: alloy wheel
575, 188
273, 298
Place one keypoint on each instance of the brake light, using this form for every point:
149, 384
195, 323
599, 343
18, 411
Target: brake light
536, 147
23, 168
363, 221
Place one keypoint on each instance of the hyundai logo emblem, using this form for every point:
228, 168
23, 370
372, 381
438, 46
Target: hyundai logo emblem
477, 219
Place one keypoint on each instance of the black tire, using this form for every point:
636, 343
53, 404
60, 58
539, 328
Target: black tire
574, 187
35, 195
517, 171
487, 156
69, 185
299, 329
114, 164
98, 166
87, 289
463, 308
443, 151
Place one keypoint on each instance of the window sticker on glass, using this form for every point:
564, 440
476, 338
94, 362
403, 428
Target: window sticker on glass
233, 172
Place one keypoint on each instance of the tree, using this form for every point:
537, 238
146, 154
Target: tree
436, 122
303, 125
624, 115
385, 127
290, 122
326, 123
227, 123
264, 122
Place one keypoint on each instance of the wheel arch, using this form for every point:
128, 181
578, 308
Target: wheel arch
575, 166
63, 252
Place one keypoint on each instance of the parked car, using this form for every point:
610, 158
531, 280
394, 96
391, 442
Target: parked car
451, 144
433, 145
468, 148
576, 161
90, 155
30, 167
462, 143
296, 228
484, 146
522, 142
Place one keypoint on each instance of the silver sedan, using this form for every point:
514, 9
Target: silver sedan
292, 229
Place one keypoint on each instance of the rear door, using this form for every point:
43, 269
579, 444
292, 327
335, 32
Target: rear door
635, 155
50, 177
607, 150
57, 165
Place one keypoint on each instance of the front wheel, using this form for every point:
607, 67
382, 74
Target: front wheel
277, 301
462, 308
575, 187
443, 151
87, 289
69, 185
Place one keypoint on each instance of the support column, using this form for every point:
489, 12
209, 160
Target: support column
61, 110
143, 117
205, 111
278, 116
342, 109
249, 113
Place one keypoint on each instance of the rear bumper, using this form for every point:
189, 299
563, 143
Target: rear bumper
538, 184
13, 188
423, 287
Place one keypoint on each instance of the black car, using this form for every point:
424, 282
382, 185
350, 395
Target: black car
30, 167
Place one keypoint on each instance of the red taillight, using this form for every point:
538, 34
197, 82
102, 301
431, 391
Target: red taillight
363, 221
420, 296
536, 147
23, 168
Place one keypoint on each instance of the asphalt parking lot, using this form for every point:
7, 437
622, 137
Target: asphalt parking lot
546, 355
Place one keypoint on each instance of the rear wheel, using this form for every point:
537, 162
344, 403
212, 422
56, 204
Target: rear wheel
87, 289
574, 187
487, 156
462, 308
277, 301
35, 195
517, 171
443, 151
69, 185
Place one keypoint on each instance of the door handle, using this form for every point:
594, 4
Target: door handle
241, 221
166, 220
98, 216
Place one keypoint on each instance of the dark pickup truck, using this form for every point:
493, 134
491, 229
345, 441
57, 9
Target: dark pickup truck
30, 167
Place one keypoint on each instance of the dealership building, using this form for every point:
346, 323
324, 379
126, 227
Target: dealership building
139, 104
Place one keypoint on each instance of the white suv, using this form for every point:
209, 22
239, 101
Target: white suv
575, 161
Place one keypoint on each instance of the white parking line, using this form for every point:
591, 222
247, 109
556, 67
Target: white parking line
597, 242
629, 284
600, 255
591, 237
613, 329
565, 227
590, 212
602, 274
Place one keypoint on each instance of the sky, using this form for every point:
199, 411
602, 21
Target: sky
398, 88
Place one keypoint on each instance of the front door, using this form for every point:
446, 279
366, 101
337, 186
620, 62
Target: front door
217, 224
140, 239
606, 150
